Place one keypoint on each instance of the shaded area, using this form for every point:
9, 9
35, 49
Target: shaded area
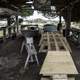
12, 62
76, 57
12, 69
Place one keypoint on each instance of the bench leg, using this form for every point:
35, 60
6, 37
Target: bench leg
36, 59
22, 47
31, 58
27, 60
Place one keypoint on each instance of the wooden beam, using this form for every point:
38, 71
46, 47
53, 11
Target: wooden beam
59, 77
53, 42
56, 44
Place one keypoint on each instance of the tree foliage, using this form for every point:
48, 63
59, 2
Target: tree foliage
26, 11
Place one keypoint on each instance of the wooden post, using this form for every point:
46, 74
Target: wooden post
4, 34
9, 28
14, 29
68, 20
59, 27
17, 21
59, 18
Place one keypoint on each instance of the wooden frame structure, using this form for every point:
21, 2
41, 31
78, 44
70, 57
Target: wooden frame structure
53, 41
58, 62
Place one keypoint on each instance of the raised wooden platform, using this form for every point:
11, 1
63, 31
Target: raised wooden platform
53, 41
58, 61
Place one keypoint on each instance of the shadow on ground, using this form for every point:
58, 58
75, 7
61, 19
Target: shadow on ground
12, 62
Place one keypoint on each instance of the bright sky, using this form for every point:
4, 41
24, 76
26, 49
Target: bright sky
37, 15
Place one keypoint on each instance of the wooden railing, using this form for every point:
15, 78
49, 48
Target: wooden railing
8, 31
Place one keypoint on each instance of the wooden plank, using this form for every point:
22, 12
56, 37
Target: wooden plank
59, 77
71, 78
66, 42
43, 44
43, 37
46, 78
61, 38
54, 41
58, 63
41, 40
48, 41
42, 49
56, 44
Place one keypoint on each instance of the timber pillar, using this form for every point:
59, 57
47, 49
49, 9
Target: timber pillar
68, 20
9, 28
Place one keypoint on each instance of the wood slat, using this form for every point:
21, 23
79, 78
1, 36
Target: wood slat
45, 78
66, 42
58, 62
60, 77
56, 44
54, 41
61, 39
48, 41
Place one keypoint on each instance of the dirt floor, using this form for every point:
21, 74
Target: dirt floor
76, 56
12, 62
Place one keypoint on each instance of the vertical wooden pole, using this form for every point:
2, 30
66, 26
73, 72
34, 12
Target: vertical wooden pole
59, 18
14, 29
68, 20
9, 28
17, 21
4, 34
59, 27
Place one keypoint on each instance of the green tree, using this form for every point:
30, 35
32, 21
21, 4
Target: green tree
26, 11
